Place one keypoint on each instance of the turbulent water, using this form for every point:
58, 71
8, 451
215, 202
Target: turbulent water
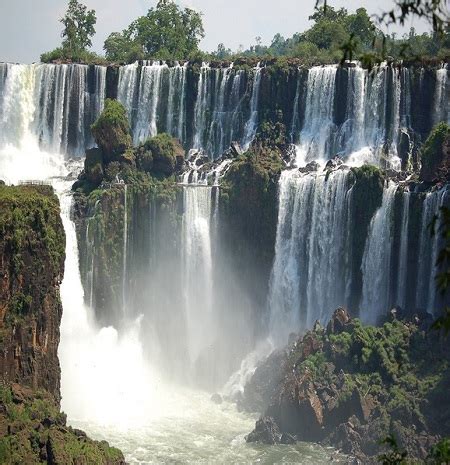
357, 114
180, 314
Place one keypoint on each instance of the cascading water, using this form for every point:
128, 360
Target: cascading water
125, 249
251, 125
53, 105
442, 96
403, 254
317, 130
45, 114
377, 260
150, 90
197, 275
308, 275
429, 248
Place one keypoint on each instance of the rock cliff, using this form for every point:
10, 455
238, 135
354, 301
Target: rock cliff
32, 252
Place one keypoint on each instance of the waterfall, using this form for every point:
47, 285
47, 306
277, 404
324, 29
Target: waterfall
350, 137
50, 105
197, 269
316, 133
309, 273
125, 250
376, 265
148, 92
428, 252
441, 96
403, 253
250, 127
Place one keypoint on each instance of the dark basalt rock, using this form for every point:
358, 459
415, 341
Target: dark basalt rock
339, 321
340, 387
311, 167
266, 432
287, 438
333, 163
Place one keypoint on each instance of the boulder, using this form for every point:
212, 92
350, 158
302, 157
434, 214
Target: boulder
111, 131
333, 163
311, 167
339, 321
199, 161
266, 432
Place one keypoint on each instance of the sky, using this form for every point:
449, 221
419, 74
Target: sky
30, 27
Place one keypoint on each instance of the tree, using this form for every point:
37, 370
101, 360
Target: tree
361, 27
165, 32
222, 52
119, 47
79, 27
278, 45
327, 34
434, 11
327, 12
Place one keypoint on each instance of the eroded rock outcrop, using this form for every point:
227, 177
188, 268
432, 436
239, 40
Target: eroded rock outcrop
32, 252
350, 386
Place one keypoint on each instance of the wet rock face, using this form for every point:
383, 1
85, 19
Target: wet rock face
32, 246
265, 432
341, 385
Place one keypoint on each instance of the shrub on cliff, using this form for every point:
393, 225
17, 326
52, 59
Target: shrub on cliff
159, 155
111, 131
39, 433
352, 387
435, 154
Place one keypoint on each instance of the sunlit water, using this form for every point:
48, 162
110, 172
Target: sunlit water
195, 430
111, 391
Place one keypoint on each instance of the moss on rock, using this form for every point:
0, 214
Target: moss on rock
111, 131
435, 154
33, 431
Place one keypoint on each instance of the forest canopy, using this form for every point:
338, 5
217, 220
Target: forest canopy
169, 32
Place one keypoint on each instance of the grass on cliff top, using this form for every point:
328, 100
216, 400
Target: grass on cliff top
30, 221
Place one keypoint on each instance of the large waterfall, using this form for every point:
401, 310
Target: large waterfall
151, 296
308, 276
317, 230
346, 111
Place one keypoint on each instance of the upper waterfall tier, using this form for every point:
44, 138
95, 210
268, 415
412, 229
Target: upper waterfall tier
376, 116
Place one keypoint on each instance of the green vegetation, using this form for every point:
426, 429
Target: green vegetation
111, 131
30, 222
391, 377
36, 432
336, 33
169, 32
165, 32
159, 155
79, 27
115, 159
435, 154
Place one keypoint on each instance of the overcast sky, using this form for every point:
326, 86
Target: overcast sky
30, 27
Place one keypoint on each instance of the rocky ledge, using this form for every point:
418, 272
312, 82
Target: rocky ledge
32, 245
351, 386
